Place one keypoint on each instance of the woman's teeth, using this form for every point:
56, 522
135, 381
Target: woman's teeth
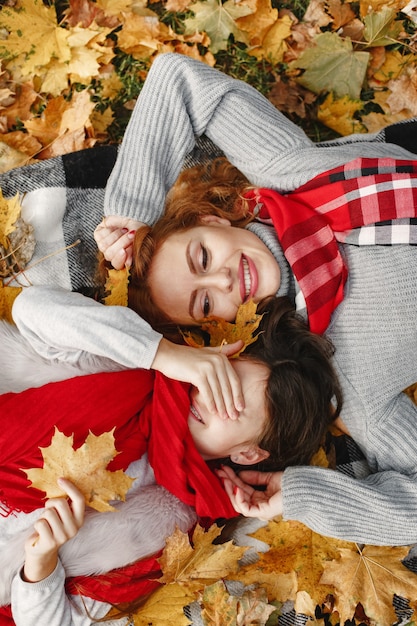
246, 277
196, 413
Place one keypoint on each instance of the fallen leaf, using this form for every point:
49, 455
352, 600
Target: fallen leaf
221, 332
85, 467
403, 92
332, 65
296, 548
203, 561
223, 609
34, 31
165, 607
116, 286
338, 114
380, 28
371, 577
7, 297
274, 45
9, 213
218, 21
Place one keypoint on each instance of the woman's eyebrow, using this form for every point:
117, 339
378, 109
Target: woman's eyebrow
192, 269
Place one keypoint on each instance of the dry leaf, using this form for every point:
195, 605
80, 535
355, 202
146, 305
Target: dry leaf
372, 577
221, 608
116, 286
221, 332
296, 548
202, 561
217, 19
165, 607
85, 467
9, 214
338, 114
7, 297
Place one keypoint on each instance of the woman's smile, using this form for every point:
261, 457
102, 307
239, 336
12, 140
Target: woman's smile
248, 279
211, 270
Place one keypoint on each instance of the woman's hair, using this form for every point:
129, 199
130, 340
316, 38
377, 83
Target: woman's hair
303, 394
214, 188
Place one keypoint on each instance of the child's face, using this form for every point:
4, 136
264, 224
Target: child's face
211, 270
217, 438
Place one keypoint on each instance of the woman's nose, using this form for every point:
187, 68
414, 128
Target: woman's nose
220, 279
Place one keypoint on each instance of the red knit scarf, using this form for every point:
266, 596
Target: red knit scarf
150, 413
310, 221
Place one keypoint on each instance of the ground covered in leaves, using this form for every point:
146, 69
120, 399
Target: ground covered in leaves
70, 74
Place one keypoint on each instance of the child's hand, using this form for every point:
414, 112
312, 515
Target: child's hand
114, 238
209, 370
251, 502
59, 522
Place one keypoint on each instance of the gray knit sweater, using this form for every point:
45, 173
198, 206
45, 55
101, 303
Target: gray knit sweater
373, 330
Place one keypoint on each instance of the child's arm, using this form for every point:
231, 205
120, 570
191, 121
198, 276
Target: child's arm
59, 522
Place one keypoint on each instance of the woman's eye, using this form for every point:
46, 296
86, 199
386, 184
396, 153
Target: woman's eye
204, 257
206, 307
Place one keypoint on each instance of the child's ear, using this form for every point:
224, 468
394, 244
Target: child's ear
250, 456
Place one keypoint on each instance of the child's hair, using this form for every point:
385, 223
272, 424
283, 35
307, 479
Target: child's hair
303, 394
214, 188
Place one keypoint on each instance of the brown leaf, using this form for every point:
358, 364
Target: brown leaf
404, 92
221, 332
371, 577
9, 213
116, 286
85, 467
222, 609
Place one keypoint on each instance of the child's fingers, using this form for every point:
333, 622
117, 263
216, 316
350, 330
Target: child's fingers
77, 500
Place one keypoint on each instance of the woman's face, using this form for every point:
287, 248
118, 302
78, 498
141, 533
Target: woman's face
215, 437
210, 270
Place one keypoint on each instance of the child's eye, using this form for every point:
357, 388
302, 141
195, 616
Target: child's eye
204, 257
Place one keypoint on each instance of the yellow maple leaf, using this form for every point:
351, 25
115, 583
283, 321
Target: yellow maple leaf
202, 561
7, 297
221, 332
296, 548
165, 607
34, 31
9, 213
117, 285
338, 114
85, 467
273, 45
370, 576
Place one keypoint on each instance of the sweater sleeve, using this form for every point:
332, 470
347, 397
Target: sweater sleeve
378, 509
70, 327
183, 99
46, 602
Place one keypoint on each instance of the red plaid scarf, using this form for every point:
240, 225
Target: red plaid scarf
311, 220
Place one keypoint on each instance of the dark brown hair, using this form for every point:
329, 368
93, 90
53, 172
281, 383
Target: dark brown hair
303, 393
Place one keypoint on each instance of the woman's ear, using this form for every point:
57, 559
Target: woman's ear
250, 456
215, 219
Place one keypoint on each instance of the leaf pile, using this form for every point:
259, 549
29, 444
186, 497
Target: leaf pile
71, 71
85, 467
300, 566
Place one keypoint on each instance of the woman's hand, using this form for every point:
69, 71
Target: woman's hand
209, 370
251, 502
114, 238
59, 522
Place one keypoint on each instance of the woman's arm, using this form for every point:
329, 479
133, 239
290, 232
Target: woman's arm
66, 326
183, 99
